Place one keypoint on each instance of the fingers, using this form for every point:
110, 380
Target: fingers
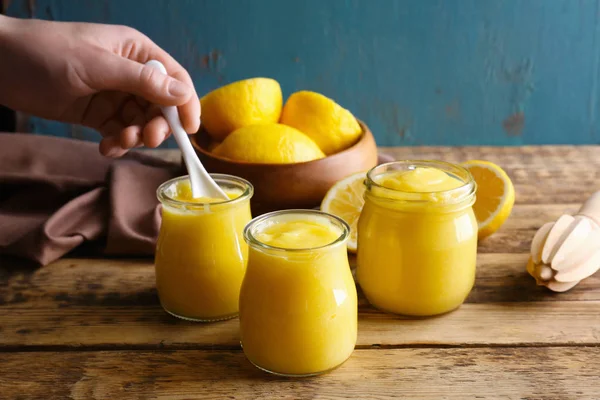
110, 147
131, 137
155, 132
142, 102
124, 70
101, 108
133, 77
134, 128
152, 134
189, 111
119, 139
133, 117
131, 113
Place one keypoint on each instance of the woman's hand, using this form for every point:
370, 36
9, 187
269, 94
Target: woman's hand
94, 75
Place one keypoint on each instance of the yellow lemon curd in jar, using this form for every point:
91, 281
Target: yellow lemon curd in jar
298, 306
417, 239
201, 256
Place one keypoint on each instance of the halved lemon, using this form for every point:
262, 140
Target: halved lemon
495, 195
345, 199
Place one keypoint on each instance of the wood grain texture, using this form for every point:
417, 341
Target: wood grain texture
90, 328
113, 303
491, 373
473, 325
541, 174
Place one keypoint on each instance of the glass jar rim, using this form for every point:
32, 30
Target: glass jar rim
254, 242
164, 198
464, 191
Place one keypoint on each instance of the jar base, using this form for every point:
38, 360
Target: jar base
193, 319
416, 316
296, 375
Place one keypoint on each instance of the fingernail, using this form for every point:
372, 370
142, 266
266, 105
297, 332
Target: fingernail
178, 89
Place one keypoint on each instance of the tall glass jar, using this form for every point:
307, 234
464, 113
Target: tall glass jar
201, 255
298, 306
417, 250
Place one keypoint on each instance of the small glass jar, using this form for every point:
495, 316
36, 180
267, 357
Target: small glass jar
298, 307
201, 255
417, 251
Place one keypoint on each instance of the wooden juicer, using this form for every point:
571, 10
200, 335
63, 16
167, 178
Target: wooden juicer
567, 251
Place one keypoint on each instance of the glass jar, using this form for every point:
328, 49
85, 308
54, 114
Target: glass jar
298, 306
417, 250
201, 255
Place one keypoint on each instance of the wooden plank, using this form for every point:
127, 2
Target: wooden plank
118, 283
488, 324
517, 232
541, 174
556, 159
549, 181
113, 303
552, 158
486, 373
87, 280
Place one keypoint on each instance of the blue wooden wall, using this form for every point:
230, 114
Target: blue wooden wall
433, 72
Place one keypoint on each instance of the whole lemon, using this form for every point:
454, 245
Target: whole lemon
242, 103
331, 126
269, 144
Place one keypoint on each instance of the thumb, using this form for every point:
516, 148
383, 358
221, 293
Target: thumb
132, 77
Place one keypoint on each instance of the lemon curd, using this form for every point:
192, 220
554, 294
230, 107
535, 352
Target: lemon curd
298, 306
417, 237
201, 256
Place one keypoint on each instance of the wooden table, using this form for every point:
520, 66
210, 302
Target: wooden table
93, 328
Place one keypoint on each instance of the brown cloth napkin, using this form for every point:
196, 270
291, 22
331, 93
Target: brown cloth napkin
57, 193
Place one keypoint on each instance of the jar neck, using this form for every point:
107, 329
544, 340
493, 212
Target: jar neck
450, 200
314, 255
259, 224
169, 194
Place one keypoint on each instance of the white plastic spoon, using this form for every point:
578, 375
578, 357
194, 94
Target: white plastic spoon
202, 184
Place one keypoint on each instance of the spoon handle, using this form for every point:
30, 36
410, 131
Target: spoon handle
195, 168
181, 137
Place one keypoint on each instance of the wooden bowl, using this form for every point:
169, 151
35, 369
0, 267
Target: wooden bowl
299, 185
